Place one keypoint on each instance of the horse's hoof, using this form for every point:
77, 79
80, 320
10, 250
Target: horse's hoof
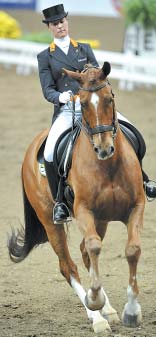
91, 305
96, 304
131, 321
101, 326
112, 316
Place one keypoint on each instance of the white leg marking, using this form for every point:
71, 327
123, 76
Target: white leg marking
108, 311
132, 307
131, 315
94, 277
99, 323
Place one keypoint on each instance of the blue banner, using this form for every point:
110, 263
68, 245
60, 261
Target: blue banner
18, 4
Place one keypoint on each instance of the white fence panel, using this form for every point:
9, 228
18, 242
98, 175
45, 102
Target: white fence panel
126, 67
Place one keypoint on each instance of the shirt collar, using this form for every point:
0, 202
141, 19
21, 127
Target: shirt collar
53, 45
64, 42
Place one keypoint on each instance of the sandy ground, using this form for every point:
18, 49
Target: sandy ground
35, 299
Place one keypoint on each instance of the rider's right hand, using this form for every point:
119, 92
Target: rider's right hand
64, 97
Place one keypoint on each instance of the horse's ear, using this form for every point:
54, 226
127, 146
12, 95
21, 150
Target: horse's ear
106, 68
78, 76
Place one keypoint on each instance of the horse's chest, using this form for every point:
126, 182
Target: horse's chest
112, 203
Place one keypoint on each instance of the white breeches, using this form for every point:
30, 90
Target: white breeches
61, 124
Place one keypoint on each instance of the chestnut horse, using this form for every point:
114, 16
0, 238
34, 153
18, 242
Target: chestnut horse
106, 179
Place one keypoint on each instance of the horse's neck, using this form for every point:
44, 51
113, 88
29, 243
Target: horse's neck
86, 149
119, 142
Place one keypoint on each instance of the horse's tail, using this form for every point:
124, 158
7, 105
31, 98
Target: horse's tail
21, 243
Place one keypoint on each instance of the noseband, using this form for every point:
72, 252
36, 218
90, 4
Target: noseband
100, 128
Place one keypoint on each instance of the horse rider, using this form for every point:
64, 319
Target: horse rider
64, 52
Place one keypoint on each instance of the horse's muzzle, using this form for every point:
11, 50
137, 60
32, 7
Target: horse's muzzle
104, 154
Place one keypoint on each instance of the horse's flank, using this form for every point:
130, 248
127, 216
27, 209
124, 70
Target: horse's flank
30, 163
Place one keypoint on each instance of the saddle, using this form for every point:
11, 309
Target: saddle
62, 154
134, 137
64, 149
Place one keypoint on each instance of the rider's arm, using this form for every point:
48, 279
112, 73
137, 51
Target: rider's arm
46, 79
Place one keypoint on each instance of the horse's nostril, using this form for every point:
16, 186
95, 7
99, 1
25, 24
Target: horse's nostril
111, 149
96, 149
104, 153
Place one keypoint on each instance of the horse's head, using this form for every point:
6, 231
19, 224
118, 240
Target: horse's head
98, 108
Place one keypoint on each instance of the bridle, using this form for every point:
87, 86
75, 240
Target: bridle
100, 128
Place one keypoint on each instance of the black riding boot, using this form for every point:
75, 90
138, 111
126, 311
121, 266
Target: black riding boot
150, 187
60, 210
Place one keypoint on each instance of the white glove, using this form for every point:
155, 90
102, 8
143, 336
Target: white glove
64, 97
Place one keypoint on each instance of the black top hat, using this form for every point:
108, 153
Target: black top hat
54, 13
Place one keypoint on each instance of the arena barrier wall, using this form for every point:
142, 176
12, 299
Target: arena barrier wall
130, 70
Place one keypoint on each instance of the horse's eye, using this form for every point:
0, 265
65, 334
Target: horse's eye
83, 105
108, 100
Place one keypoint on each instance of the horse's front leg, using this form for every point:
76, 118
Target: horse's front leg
108, 312
132, 312
100, 324
95, 298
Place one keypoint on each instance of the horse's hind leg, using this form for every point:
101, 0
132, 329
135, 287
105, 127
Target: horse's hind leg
132, 312
55, 233
107, 311
57, 238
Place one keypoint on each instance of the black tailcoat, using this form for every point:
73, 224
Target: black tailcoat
50, 64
